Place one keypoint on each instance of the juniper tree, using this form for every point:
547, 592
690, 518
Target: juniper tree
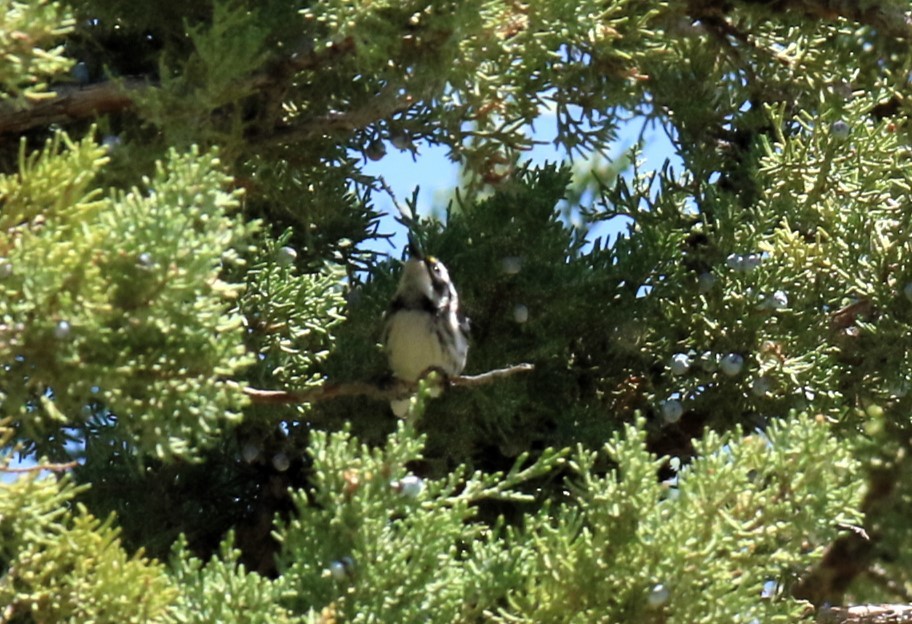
713, 423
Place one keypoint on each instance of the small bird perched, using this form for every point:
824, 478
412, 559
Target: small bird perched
425, 329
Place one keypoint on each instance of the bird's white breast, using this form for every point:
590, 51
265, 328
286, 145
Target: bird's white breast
412, 345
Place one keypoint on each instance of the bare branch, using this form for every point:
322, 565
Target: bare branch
490, 376
382, 392
39, 467
326, 392
866, 614
73, 103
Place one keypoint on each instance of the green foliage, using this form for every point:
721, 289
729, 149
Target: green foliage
31, 33
210, 79
116, 302
748, 512
217, 229
841, 245
63, 565
370, 543
726, 537
222, 591
375, 551
492, 63
291, 316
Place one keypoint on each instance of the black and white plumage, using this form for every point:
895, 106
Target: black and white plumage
425, 329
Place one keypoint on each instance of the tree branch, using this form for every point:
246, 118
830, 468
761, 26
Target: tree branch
891, 21
39, 467
385, 103
866, 614
397, 389
887, 20
73, 104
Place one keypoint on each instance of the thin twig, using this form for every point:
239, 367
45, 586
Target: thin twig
381, 392
867, 614
39, 467
490, 376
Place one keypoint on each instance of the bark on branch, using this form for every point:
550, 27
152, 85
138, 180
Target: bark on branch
39, 467
867, 614
75, 103
888, 20
87, 102
388, 101
382, 392
72, 104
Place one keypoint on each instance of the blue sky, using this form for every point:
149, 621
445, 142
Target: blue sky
436, 176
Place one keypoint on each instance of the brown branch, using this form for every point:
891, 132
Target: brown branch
852, 553
40, 467
325, 392
75, 103
890, 21
492, 375
388, 101
385, 392
866, 614
78, 103
72, 104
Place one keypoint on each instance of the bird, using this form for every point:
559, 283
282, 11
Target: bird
424, 327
